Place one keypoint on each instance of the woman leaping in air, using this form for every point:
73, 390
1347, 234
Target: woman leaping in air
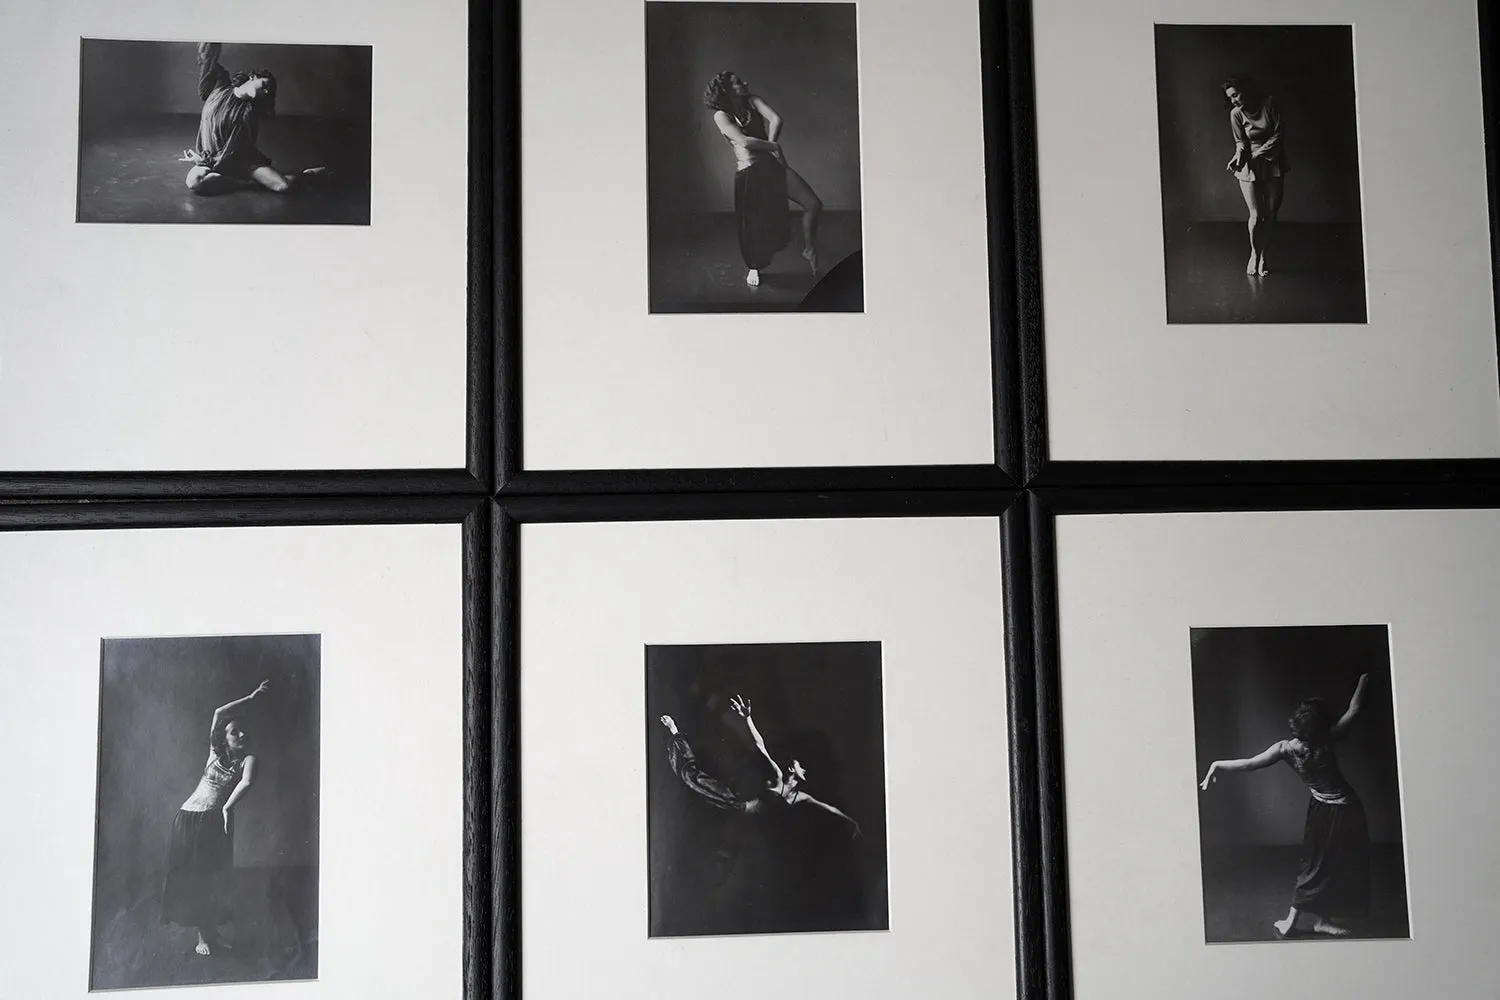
225, 158
1335, 877
781, 789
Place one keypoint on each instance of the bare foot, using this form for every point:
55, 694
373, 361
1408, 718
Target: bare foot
1331, 929
753, 278
811, 256
666, 720
1260, 267
1284, 926
1252, 266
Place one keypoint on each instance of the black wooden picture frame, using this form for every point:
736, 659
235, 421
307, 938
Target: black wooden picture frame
1008, 507
486, 37
1041, 470
513, 478
1044, 507
474, 516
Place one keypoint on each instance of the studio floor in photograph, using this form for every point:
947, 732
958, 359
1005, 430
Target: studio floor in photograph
696, 267
1316, 275
1251, 887
129, 171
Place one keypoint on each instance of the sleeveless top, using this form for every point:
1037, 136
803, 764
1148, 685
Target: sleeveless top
756, 129
215, 785
1318, 767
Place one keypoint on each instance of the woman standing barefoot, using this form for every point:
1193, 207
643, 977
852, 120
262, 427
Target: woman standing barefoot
1335, 876
763, 181
1259, 163
200, 849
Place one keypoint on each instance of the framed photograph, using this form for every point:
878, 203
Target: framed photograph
192, 748
246, 239
1262, 234
795, 247
1259, 732
794, 747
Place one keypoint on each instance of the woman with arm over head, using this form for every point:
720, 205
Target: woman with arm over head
1334, 883
200, 848
763, 181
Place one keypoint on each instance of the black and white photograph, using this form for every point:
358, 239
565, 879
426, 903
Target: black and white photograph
1299, 809
766, 788
223, 133
1260, 173
753, 157
206, 840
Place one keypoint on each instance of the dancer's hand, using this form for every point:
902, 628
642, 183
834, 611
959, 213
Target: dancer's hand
261, 689
741, 706
666, 720
1208, 779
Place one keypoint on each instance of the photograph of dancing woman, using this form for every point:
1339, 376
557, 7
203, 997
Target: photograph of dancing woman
220, 886
1243, 243
291, 121
1340, 753
754, 191
746, 839
1259, 162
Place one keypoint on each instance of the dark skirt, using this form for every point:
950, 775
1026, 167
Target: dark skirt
199, 855
1335, 876
760, 205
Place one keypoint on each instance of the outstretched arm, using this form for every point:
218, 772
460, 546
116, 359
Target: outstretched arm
247, 778
1355, 704
211, 76
1270, 755
734, 134
802, 797
741, 706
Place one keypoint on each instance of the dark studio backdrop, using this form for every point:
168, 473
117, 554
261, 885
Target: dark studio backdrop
139, 108
803, 60
1309, 72
1246, 683
717, 872
157, 697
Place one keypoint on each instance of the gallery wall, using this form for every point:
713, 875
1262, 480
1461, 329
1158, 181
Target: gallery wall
1246, 683
1308, 69
129, 78
801, 58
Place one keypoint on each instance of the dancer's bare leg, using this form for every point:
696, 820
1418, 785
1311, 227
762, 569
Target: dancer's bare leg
1252, 201
1272, 192
202, 180
274, 180
799, 191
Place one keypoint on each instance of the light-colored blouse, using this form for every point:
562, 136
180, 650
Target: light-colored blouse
1257, 141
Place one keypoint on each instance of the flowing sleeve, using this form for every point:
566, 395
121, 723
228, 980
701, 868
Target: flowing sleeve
1237, 129
211, 76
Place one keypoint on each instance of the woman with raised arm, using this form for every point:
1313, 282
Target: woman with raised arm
1259, 162
763, 181
234, 105
781, 786
200, 848
1335, 877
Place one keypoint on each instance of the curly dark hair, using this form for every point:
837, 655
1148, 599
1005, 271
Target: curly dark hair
265, 103
1250, 93
717, 95
1312, 722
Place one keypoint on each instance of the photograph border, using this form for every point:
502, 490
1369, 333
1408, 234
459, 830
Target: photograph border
513, 478
1042, 471
474, 516
1021, 737
1044, 507
485, 43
